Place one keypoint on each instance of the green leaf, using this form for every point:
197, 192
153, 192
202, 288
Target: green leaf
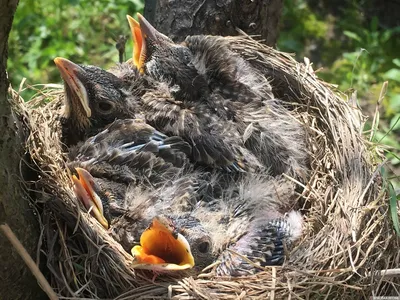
352, 35
392, 74
393, 199
394, 102
395, 122
396, 61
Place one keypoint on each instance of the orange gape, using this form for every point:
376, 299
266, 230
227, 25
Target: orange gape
161, 244
83, 187
137, 42
157, 243
138, 46
144, 258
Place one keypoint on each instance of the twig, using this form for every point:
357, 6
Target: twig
375, 121
43, 283
272, 294
385, 273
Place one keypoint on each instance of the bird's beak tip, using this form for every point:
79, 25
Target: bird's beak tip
132, 21
57, 60
148, 31
71, 73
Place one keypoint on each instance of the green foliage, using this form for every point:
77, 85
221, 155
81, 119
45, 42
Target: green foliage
83, 31
393, 201
356, 53
302, 23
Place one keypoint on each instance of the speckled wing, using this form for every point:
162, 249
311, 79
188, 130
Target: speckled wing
226, 71
213, 144
129, 149
264, 244
266, 128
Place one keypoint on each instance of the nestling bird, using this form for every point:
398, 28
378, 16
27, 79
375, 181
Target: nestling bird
95, 97
132, 158
204, 62
231, 100
216, 216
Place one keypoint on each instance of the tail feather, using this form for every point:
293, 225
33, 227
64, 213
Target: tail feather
262, 245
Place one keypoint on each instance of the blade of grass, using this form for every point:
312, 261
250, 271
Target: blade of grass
375, 121
390, 129
392, 154
393, 207
393, 198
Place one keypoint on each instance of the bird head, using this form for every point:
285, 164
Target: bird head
162, 59
93, 98
198, 237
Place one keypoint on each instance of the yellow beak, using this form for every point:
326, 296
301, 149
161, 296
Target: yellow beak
85, 192
137, 43
69, 72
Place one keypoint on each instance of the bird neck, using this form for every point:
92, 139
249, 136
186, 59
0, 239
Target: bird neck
71, 133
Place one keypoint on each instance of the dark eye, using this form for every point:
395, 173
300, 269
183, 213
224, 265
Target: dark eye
105, 107
186, 56
203, 247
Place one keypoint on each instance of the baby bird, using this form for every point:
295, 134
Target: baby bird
130, 176
200, 66
94, 98
229, 98
129, 185
252, 224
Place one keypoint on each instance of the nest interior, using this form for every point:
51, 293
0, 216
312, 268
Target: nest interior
348, 239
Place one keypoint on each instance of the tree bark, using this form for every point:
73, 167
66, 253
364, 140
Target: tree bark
180, 18
16, 281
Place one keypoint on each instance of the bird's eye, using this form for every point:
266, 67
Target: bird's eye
105, 107
203, 247
186, 56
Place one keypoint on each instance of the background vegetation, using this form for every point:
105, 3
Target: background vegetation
355, 43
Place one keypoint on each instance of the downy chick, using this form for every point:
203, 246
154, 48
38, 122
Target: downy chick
128, 185
229, 98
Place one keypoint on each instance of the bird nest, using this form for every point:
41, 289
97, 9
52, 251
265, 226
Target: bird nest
348, 240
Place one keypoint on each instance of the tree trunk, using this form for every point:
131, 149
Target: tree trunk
180, 18
16, 281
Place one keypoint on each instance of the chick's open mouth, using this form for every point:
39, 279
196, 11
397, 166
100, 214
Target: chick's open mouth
162, 248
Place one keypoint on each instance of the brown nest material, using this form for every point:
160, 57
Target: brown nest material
347, 245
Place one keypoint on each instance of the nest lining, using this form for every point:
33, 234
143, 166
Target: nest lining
348, 234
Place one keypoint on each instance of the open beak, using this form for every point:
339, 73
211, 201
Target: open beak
148, 31
85, 192
137, 42
151, 39
162, 248
69, 72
